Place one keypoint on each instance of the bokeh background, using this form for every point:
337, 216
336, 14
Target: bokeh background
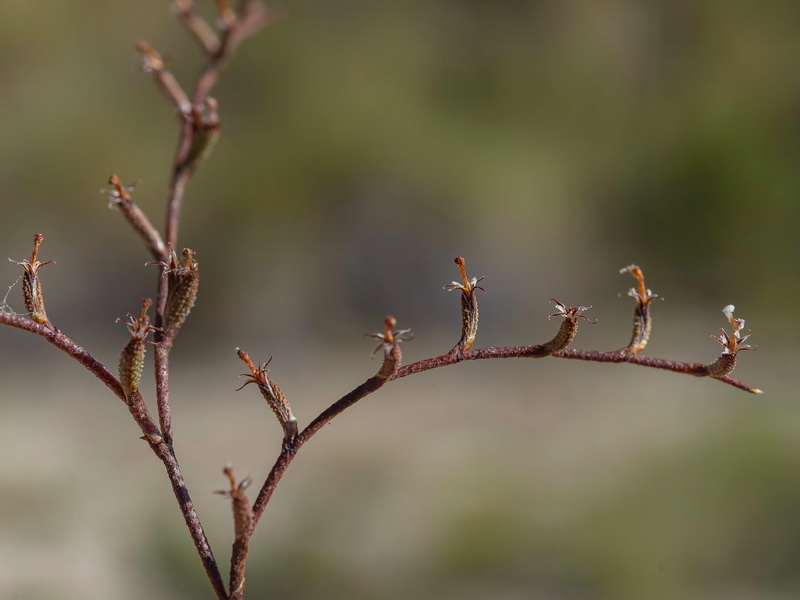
365, 144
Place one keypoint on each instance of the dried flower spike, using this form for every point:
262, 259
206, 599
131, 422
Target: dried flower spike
469, 307
390, 343
272, 394
732, 344
183, 282
120, 197
242, 511
32, 285
569, 326
131, 361
642, 321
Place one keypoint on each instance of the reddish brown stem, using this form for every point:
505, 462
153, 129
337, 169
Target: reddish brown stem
390, 366
539, 351
151, 432
161, 359
197, 26
167, 456
62, 342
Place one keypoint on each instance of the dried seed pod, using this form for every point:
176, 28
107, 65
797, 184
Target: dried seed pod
569, 327
733, 344
469, 306
642, 321
272, 394
390, 343
243, 521
131, 361
183, 282
120, 197
205, 126
32, 285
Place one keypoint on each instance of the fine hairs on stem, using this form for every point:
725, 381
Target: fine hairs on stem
176, 290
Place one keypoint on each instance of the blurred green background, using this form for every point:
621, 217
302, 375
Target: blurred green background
364, 145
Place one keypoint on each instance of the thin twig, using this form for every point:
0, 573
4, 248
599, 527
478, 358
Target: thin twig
197, 26
64, 343
161, 361
151, 434
539, 351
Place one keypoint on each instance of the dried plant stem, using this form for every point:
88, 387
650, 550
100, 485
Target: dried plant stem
388, 370
540, 351
150, 431
197, 26
167, 456
62, 342
161, 359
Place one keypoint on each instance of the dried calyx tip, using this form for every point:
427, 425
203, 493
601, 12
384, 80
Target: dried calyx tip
643, 294
734, 342
570, 312
467, 285
389, 338
462, 266
389, 322
119, 189
226, 14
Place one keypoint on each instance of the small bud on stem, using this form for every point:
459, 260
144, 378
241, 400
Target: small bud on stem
569, 327
733, 344
205, 133
242, 511
182, 285
32, 285
131, 361
272, 394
